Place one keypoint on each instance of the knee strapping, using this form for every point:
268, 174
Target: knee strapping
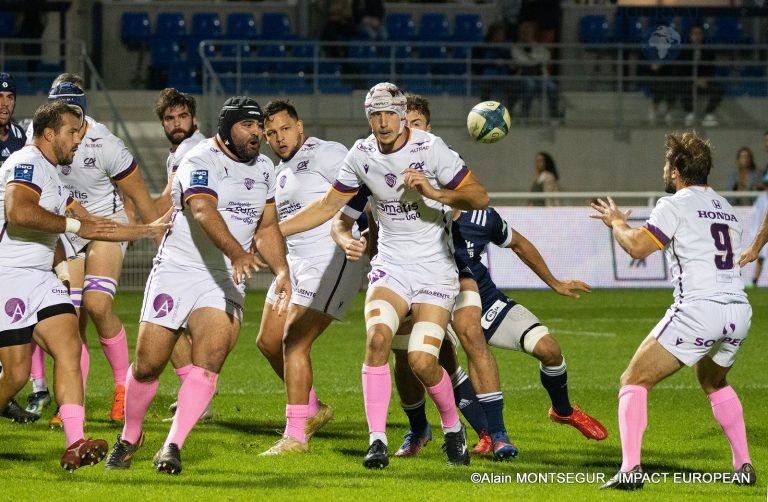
381, 312
467, 299
76, 295
95, 283
531, 338
426, 337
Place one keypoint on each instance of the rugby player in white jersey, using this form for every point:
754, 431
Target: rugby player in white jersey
102, 172
324, 283
705, 327
36, 303
223, 199
413, 176
177, 112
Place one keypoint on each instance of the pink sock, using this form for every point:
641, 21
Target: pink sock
296, 419
183, 372
194, 395
442, 395
72, 419
633, 418
85, 365
726, 407
377, 391
313, 403
38, 363
138, 397
116, 350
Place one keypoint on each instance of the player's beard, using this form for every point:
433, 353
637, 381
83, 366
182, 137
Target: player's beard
177, 136
244, 151
669, 187
63, 157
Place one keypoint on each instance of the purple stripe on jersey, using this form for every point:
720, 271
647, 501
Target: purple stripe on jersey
27, 184
680, 265
657, 233
131, 169
189, 192
271, 200
671, 318
2, 232
341, 187
456, 181
70, 200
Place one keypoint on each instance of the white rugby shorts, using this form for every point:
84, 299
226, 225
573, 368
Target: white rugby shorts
25, 292
434, 282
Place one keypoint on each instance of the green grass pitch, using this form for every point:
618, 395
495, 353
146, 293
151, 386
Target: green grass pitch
598, 333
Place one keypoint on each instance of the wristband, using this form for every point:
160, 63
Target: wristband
73, 226
62, 271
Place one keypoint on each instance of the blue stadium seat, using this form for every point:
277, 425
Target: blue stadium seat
135, 29
241, 26
400, 27
468, 28
629, 30
433, 26
272, 55
275, 26
171, 25
185, 77
165, 52
301, 59
205, 25
593, 29
7, 24
193, 50
729, 30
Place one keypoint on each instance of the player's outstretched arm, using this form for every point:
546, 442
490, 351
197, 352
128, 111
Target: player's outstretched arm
135, 189
753, 250
528, 253
315, 214
271, 246
104, 229
470, 194
635, 241
341, 232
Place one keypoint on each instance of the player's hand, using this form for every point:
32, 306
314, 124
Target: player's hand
416, 180
243, 266
283, 292
571, 288
355, 248
749, 255
94, 227
608, 212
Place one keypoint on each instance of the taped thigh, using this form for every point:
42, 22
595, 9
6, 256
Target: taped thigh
519, 330
426, 337
467, 299
95, 283
381, 312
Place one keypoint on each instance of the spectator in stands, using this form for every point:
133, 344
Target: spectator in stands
531, 59
746, 177
339, 27
495, 61
369, 19
545, 15
662, 86
545, 179
697, 68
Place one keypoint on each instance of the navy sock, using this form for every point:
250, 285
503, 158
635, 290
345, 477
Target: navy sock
417, 416
493, 406
467, 402
555, 381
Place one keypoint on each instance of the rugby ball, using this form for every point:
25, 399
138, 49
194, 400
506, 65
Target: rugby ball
488, 122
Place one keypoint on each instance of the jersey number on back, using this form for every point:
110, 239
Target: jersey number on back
722, 235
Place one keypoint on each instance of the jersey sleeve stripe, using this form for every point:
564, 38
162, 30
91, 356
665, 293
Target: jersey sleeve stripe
191, 192
270, 201
70, 201
459, 179
343, 189
28, 185
657, 235
131, 169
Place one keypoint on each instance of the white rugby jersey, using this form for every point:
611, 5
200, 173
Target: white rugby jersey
174, 157
303, 179
241, 192
701, 235
411, 228
23, 247
100, 160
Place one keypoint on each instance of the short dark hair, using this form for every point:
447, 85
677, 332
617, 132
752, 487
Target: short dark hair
690, 155
280, 105
72, 78
50, 115
171, 98
417, 103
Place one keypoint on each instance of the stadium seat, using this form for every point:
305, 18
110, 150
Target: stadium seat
272, 56
400, 27
629, 30
729, 30
185, 77
275, 26
468, 28
171, 25
135, 29
302, 58
7, 24
241, 26
165, 52
205, 25
433, 26
593, 29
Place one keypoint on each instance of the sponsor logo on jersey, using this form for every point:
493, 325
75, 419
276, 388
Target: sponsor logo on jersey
716, 204
15, 308
375, 275
490, 315
365, 168
310, 146
678, 341
163, 305
23, 172
418, 147
93, 142
249, 183
390, 179
5, 152
716, 215
65, 170
89, 162
470, 248
419, 166
436, 294
302, 166
199, 178
365, 147
394, 207
282, 181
